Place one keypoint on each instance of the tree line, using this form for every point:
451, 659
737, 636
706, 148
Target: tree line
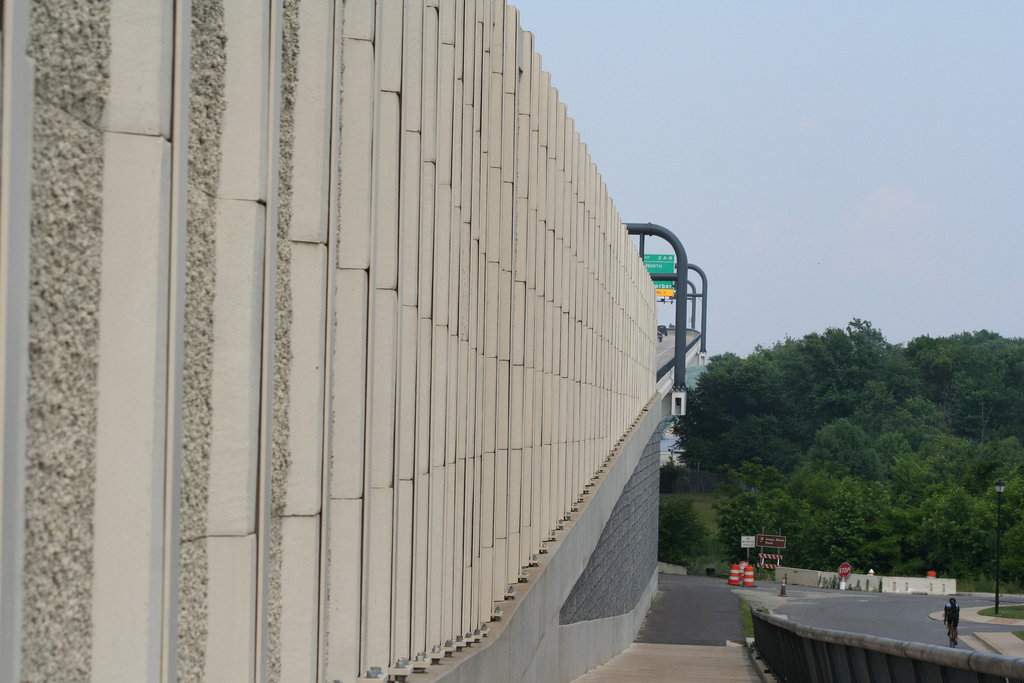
882, 455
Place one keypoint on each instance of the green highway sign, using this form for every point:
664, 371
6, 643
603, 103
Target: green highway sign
662, 263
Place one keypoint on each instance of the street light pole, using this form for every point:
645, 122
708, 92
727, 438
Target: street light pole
1000, 487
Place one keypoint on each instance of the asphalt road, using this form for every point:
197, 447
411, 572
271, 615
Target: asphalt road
666, 349
901, 617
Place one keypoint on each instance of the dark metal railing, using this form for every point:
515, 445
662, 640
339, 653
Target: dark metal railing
672, 361
807, 654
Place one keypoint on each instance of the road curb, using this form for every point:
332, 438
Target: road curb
759, 664
1003, 642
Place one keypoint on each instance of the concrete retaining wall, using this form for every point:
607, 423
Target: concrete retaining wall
317, 318
626, 555
530, 643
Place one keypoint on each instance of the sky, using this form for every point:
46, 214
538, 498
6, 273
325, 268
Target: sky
819, 161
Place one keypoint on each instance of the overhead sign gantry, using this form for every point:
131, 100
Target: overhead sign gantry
663, 273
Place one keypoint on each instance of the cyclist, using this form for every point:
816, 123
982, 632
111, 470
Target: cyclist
951, 618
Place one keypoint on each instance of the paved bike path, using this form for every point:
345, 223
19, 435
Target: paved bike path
693, 633
693, 610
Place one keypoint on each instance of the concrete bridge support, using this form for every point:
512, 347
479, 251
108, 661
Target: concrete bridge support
317, 320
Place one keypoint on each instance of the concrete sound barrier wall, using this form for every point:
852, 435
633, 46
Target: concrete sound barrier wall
317, 319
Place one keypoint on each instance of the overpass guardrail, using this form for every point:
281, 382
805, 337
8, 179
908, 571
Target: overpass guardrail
692, 336
797, 653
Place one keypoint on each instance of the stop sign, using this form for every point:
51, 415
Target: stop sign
844, 570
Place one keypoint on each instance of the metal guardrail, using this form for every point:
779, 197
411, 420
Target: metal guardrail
808, 654
663, 370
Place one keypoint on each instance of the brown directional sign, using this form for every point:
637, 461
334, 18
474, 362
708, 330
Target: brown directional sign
768, 541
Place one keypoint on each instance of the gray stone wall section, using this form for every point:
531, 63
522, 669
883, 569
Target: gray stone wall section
206, 102
626, 556
69, 41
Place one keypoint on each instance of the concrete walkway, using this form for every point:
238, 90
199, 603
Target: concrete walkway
692, 633
658, 663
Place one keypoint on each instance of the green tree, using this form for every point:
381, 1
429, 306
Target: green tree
680, 531
862, 451
743, 514
848, 445
955, 536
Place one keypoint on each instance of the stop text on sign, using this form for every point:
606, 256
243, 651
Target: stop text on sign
769, 541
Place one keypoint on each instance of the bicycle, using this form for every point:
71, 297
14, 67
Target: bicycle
951, 618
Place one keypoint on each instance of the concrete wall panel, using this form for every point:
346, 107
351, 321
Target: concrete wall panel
406, 394
306, 378
429, 74
381, 386
300, 561
351, 301
409, 225
235, 394
344, 601
243, 172
230, 638
311, 193
359, 19
141, 61
356, 148
386, 175
388, 39
131, 410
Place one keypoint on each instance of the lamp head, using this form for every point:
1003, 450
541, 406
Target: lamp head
1000, 486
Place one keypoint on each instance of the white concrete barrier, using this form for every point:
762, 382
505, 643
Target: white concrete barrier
867, 582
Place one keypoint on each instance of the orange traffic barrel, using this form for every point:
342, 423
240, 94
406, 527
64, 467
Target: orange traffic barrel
734, 575
748, 575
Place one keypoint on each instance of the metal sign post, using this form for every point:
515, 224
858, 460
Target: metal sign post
679, 386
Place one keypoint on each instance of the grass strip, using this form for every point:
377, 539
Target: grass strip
1007, 611
748, 619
